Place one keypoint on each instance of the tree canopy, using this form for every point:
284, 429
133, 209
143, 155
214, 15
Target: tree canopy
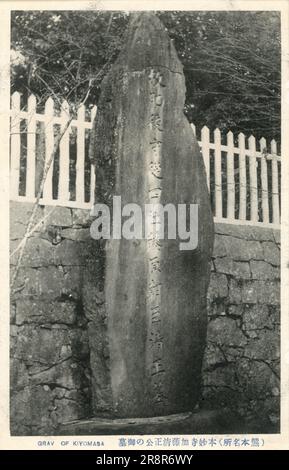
232, 61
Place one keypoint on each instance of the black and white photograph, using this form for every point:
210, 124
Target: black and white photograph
145, 199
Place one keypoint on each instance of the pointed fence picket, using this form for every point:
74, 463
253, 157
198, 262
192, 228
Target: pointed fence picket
232, 170
50, 119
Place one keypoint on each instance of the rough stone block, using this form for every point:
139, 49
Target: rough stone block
240, 270
82, 400
271, 253
82, 217
19, 378
218, 286
221, 396
216, 308
68, 253
271, 409
76, 234
66, 410
235, 311
246, 232
20, 213
12, 313
79, 345
235, 291
225, 331
222, 377
61, 216
264, 348
274, 311
38, 252
17, 230
256, 317
41, 347
48, 283
277, 236
20, 408
256, 379
262, 270
243, 250
213, 357
66, 374
72, 286
264, 292
43, 283
40, 312
269, 292
250, 291
219, 246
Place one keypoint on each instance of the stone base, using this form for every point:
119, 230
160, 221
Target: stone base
200, 422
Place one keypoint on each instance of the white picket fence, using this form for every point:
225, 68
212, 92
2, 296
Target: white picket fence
244, 181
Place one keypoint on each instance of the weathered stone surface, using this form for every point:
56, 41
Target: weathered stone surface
250, 292
42, 282
40, 312
264, 348
27, 404
216, 309
264, 292
214, 357
243, 250
79, 234
263, 270
221, 396
81, 217
66, 374
240, 270
246, 232
271, 409
79, 345
99, 360
218, 287
60, 216
256, 317
224, 331
38, 253
68, 253
235, 291
219, 246
274, 311
277, 236
271, 253
47, 342
222, 377
19, 378
72, 406
256, 379
19, 216
236, 310
137, 146
49, 283
269, 293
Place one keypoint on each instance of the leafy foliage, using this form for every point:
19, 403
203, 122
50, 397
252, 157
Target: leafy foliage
231, 61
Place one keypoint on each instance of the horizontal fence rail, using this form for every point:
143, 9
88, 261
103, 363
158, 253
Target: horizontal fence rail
243, 175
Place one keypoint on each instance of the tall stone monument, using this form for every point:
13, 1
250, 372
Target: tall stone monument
145, 151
